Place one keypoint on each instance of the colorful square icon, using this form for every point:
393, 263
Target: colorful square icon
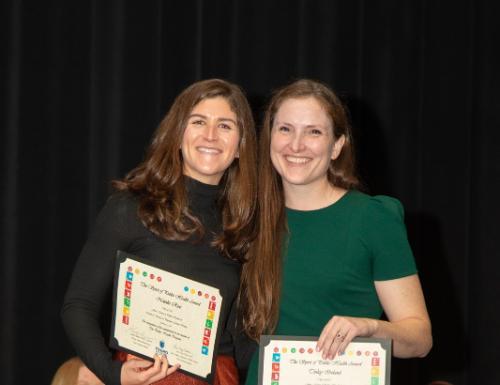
206, 341
276, 357
126, 301
128, 285
212, 305
207, 332
210, 315
204, 350
208, 323
275, 383
125, 320
127, 293
375, 371
276, 367
125, 310
374, 381
275, 376
130, 276
375, 361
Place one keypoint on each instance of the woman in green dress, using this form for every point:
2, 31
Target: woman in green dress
328, 259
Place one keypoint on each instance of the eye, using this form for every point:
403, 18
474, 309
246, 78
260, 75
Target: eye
198, 122
283, 129
225, 126
316, 132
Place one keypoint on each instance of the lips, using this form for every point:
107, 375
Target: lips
208, 150
297, 159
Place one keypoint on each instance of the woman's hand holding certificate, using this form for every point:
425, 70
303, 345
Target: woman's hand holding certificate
157, 313
287, 360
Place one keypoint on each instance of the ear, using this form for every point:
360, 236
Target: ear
337, 147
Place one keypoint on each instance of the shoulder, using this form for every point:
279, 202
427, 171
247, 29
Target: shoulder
375, 214
122, 200
376, 207
121, 206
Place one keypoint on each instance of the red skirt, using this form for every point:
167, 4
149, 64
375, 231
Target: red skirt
226, 373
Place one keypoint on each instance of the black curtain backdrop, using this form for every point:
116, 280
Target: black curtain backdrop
84, 84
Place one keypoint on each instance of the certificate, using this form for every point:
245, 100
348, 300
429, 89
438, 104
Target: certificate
157, 312
287, 360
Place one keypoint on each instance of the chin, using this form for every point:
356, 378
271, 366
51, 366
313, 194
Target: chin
296, 181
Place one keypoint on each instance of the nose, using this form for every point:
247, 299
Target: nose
211, 133
297, 143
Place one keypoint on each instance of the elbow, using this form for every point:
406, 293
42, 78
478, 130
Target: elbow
426, 346
418, 346
426, 341
64, 311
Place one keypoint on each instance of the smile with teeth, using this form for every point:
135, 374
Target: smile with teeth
297, 159
209, 150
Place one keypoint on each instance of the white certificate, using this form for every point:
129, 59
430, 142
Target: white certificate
157, 312
292, 360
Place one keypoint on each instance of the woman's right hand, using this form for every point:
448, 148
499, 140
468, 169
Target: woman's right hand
137, 371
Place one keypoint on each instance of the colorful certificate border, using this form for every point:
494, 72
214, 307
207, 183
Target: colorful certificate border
125, 298
302, 352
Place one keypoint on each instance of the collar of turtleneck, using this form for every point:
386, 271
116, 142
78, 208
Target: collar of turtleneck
201, 194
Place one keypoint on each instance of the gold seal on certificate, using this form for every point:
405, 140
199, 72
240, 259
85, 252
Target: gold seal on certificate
287, 360
157, 312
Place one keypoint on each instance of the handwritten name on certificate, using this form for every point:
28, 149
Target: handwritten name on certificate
291, 360
157, 312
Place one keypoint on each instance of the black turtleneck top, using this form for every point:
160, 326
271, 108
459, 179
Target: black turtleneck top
119, 228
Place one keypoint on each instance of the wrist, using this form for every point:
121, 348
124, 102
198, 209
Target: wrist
374, 326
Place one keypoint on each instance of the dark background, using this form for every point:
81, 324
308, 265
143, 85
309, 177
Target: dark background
84, 84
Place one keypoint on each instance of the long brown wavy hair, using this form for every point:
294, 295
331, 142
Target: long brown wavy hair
159, 182
261, 275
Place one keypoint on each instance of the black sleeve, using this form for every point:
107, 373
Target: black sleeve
91, 284
244, 347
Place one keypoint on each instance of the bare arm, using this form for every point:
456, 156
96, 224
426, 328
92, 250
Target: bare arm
409, 326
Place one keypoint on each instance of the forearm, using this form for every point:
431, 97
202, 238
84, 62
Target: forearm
87, 339
90, 289
411, 337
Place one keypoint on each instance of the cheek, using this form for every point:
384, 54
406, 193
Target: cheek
277, 144
232, 144
235, 143
274, 152
185, 138
323, 149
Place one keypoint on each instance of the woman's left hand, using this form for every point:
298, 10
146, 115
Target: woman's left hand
340, 331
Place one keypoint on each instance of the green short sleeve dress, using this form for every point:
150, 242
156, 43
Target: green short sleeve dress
332, 258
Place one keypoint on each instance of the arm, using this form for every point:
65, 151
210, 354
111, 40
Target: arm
244, 347
409, 326
89, 291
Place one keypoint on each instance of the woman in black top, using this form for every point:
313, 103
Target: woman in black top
188, 208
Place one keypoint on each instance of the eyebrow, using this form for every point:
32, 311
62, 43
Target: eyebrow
223, 119
307, 126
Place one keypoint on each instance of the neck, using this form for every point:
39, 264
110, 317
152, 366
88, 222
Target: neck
311, 197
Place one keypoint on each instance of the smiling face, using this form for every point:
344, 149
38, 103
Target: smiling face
302, 143
210, 141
